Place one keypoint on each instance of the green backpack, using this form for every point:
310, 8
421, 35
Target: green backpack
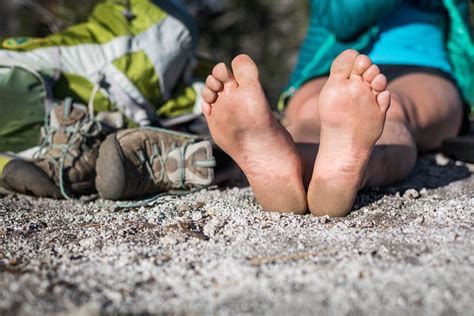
25, 97
132, 56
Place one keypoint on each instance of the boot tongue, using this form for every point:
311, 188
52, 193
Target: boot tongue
63, 116
67, 114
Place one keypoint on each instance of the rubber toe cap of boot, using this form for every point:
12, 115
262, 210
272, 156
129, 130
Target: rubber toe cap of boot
111, 181
25, 177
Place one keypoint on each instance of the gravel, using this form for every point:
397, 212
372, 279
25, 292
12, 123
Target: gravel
405, 249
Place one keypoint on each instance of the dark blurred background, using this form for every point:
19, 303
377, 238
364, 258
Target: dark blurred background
269, 31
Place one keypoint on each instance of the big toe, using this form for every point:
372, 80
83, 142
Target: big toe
245, 70
343, 65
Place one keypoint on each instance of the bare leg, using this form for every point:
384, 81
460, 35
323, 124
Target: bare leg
424, 110
352, 108
239, 116
242, 124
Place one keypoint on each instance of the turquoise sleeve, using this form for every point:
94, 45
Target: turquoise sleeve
349, 18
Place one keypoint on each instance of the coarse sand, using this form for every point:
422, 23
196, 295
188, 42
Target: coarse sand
405, 249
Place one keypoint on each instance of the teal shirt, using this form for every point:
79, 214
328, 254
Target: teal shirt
335, 26
410, 36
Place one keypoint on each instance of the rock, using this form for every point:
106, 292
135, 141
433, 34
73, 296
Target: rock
441, 160
196, 216
324, 219
189, 207
420, 220
33, 227
212, 228
182, 208
168, 241
411, 194
398, 204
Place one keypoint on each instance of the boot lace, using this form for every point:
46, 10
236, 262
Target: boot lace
79, 138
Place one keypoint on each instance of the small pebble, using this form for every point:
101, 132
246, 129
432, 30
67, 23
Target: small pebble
420, 220
212, 228
196, 215
168, 241
411, 194
324, 219
398, 204
441, 160
265, 225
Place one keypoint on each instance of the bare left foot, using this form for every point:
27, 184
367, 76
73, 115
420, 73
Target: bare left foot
242, 124
352, 108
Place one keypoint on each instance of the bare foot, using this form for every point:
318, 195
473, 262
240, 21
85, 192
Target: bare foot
352, 108
242, 124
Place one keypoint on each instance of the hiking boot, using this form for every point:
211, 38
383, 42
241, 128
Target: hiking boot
65, 163
135, 163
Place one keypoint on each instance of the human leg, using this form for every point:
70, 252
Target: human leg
352, 109
425, 109
300, 117
419, 116
432, 105
407, 124
242, 124
281, 196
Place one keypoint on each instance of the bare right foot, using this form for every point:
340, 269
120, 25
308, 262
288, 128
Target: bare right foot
352, 108
242, 124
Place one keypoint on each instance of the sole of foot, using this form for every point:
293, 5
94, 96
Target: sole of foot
241, 123
352, 108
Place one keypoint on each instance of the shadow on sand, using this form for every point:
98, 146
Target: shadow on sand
428, 173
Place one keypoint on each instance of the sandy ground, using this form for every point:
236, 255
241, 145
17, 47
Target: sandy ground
405, 249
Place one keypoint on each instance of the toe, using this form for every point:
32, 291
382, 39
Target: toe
343, 64
208, 95
222, 73
206, 108
245, 70
379, 83
361, 64
383, 100
214, 84
370, 73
